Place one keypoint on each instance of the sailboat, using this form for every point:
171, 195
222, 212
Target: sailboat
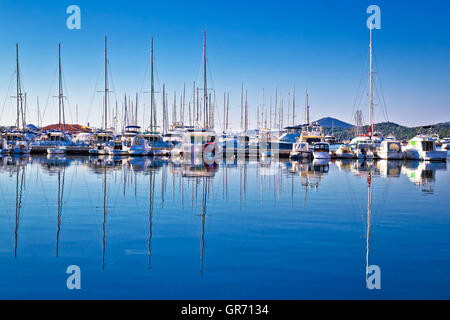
17, 139
59, 146
311, 134
201, 140
104, 139
154, 139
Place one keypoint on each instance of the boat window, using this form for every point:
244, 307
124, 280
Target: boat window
427, 145
313, 140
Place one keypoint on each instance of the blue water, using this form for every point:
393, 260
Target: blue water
244, 230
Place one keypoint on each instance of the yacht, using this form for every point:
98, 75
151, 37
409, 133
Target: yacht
283, 145
300, 150
17, 142
139, 146
331, 139
390, 150
423, 147
102, 141
344, 152
158, 147
321, 150
445, 143
195, 141
119, 148
362, 147
51, 139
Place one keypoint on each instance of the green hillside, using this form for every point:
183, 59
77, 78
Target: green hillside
390, 128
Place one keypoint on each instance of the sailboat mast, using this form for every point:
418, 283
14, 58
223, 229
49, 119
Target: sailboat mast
18, 88
60, 93
371, 85
293, 108
152, 93
306, 108
106, 85
205, 85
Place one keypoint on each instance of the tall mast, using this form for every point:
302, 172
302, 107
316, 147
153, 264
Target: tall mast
38, 113
60, 94
242, 107
246, 113
224, 111
136, 111
228, 110
371, 85
106, 85
293, 108
19, 92
306, 108
205, 85
152, 93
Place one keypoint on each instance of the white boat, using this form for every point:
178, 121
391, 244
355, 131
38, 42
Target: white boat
390, 150
158, 147
139, 147
56, 150
21, 147
300, 150
195, 141
445, 143
118, 149
321, 150
344, 152
363, 151
17, 142
423, 147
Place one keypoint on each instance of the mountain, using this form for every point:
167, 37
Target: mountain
334, 123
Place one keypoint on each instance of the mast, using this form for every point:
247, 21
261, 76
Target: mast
136, 111
293, 108
246, 113
306, 108
60, 94
106, 85
228, 110
19, 98
224, 111
183, 104
205, 85
371, 85
38, 113
152, 93
242, 107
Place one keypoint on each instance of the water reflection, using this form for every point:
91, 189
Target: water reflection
151, 188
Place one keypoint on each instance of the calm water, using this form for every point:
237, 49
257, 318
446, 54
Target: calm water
154, 229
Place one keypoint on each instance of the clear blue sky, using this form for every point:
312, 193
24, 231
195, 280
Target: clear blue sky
321, 45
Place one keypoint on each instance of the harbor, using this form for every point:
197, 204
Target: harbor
198, 136
224, 156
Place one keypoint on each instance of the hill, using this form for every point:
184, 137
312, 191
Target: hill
333, 123
394, 129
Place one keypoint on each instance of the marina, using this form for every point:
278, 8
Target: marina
205, 151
